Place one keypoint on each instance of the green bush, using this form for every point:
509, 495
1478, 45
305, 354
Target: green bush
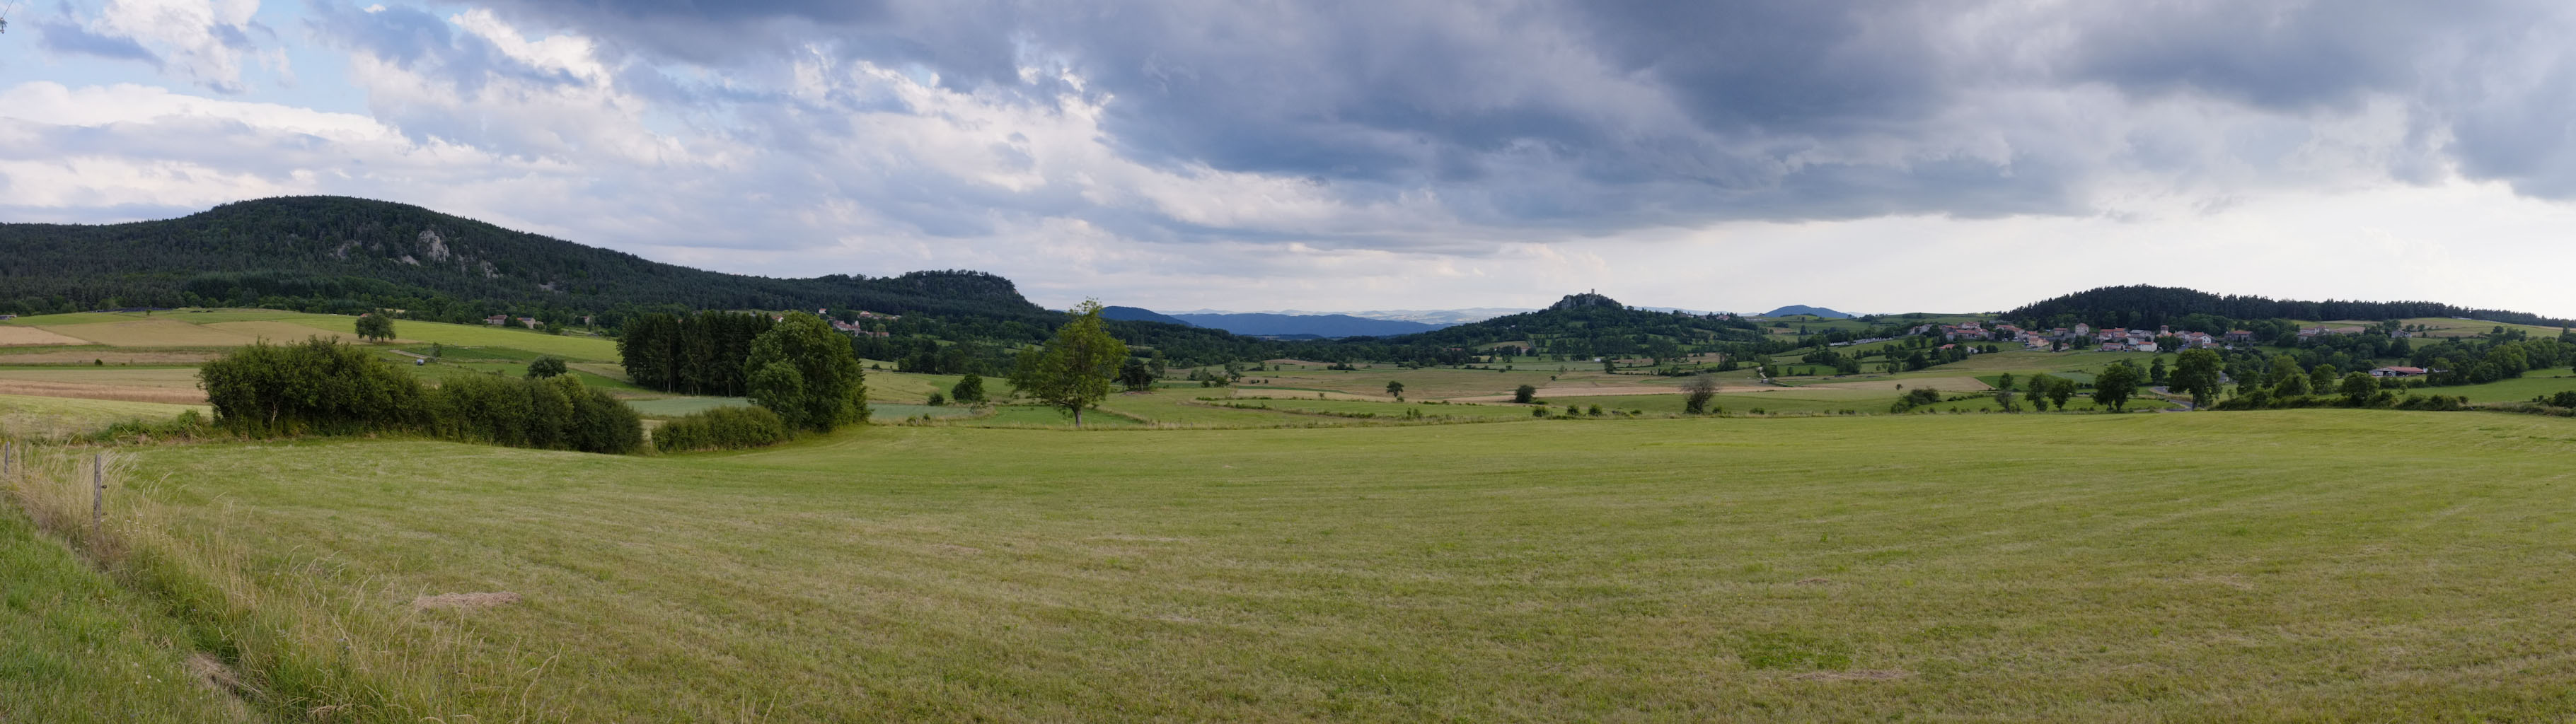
322, 387
556, 413
2435, 402
1914, 398
315, 386
723, 428
547, 366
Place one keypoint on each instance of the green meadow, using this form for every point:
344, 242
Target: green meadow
2312, 565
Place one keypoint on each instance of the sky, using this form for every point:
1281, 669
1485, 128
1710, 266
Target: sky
1939, 155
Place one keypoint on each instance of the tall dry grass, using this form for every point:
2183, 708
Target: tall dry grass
305, 645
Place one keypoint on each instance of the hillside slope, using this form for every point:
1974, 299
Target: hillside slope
339, 254
2148, 306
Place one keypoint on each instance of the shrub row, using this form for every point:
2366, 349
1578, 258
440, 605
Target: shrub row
555, 413
325, 388
723, 428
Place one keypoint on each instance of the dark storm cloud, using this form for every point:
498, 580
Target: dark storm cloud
1635, 113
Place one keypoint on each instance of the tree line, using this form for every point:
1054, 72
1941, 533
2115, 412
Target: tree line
320, 387
2147, 306
699, 354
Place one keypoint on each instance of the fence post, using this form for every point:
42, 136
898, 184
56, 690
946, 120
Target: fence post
98, 494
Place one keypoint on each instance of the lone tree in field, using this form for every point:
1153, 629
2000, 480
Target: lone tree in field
546, 366
2196, 374
969, 389
1074, 370
1135, 375
375, 326
2114, 386
806, 373
1697, 392
1395, 389
1524, 394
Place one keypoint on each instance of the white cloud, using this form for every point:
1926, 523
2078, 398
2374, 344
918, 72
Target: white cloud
823, 161
191, 36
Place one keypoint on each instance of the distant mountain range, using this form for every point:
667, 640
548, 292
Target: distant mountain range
1287, 326
1804, 309
1141, 314
1438, 317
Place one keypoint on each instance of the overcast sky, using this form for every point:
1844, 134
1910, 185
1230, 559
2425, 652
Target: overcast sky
1182, 154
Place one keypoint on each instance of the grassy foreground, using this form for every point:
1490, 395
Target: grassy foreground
2295, 565
75, 648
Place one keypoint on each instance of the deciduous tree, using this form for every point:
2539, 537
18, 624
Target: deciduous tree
1073, 371
806, 373
376, 326
546, 366
2196, 374
969, 389
2113, 387
1697, 392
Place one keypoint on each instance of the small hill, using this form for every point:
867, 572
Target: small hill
1586, 299
1590, 324
348, 254
1140, 314
1804, 309
1292, 326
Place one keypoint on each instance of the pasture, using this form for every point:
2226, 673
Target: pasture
2520, 389
2241, 566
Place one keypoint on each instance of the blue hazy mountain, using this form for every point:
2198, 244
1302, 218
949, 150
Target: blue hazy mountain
1261, 324
1804, 309
1287, 326
1140, 314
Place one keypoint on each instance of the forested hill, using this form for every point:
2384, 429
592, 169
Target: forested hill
330, 253
1586, 325
2149, 306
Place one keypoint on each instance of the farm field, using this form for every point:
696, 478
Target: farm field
2241, 566
33, 337
2531, 384
1180, 406
177, 385
40, 416
1390, 409
235, 327
2441, 327
1432, 383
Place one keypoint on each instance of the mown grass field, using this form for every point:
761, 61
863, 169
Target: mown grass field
1444, 382
2317, 565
